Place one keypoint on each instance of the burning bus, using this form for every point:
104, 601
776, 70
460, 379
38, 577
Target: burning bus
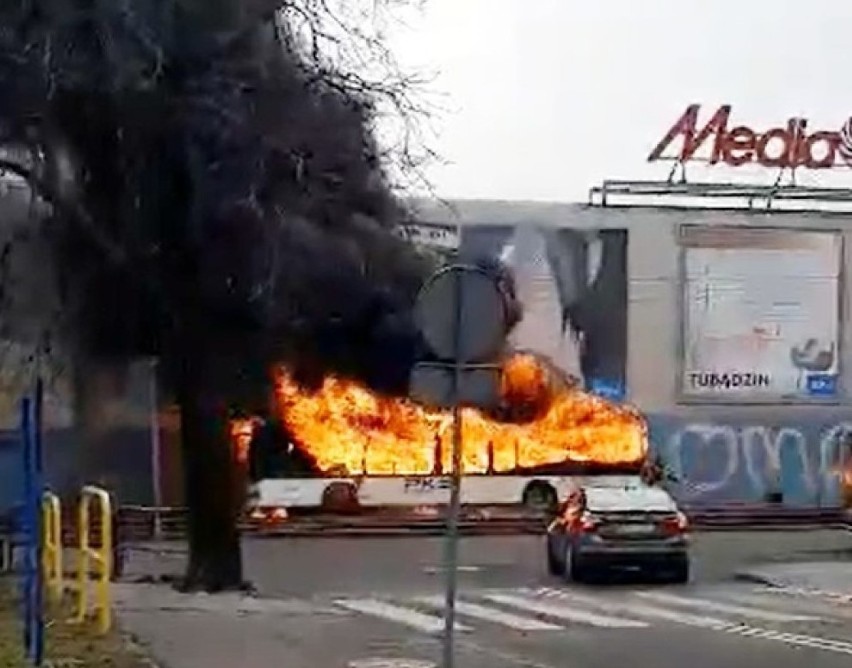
342, 443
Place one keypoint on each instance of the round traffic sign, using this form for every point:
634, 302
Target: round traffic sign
462, 314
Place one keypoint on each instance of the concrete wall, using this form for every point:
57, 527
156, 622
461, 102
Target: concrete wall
117, 453
725, 453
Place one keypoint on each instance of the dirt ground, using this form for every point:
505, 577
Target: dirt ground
67, 645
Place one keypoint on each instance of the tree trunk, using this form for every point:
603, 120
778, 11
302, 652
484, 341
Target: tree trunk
215, 557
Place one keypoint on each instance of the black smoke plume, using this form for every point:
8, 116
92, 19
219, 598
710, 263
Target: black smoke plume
231, 170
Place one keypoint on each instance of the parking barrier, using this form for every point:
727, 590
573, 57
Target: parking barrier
94, 564
52, 556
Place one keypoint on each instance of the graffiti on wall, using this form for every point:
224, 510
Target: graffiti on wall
806, 463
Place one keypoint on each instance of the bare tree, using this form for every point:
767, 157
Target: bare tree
211, 168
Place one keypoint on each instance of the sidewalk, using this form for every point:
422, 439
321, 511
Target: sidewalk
223, 631
228, 630
827, 577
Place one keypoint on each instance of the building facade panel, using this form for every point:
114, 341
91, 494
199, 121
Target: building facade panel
784, 449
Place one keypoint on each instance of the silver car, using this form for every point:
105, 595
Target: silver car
634, 526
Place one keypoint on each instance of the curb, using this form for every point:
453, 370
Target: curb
777, 586
756, 578
160, 550
771, 526
410, 530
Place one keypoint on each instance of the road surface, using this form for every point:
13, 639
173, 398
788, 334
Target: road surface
334, 602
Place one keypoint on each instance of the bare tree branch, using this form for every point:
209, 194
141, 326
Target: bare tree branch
345, 44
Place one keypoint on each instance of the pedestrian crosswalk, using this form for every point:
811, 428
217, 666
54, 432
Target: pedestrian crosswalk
483, 612
416, 619
752, 613
571, 613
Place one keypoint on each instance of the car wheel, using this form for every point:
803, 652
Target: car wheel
540, 496
340, 498
574, 570
680, 571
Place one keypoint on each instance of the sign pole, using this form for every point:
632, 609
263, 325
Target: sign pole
451, 558
461, 313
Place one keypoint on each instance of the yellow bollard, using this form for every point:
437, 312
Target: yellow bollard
94, 565
51, 558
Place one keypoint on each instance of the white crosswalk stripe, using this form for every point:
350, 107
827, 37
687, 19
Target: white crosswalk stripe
724, 608
398, 614
492, 615
809, 593
637, 609
816, 607
568, 613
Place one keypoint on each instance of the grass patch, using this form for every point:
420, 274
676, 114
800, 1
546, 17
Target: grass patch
66, 645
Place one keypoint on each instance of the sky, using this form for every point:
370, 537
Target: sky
543, 99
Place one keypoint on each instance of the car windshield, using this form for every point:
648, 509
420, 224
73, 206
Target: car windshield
628, 498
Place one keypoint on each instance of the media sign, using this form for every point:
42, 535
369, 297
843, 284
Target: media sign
788, 146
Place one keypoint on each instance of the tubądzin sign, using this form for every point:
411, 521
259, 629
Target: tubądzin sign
789, 146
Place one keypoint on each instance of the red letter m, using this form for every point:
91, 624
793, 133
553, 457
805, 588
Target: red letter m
686, 126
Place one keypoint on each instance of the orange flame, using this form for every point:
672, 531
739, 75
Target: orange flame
241, 434
351, 430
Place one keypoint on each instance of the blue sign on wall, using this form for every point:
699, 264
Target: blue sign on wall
606, 388
822, 384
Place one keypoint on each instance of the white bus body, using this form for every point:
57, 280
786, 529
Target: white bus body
412, 491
